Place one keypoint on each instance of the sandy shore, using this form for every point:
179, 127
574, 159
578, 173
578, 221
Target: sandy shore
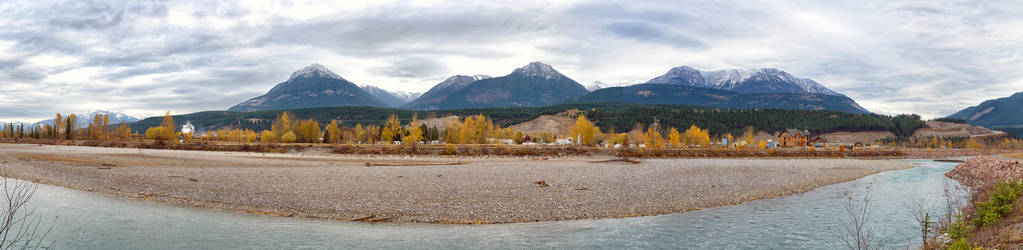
483, 190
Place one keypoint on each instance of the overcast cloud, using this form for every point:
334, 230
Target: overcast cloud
929, 57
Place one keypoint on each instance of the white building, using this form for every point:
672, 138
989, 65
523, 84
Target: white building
187, 128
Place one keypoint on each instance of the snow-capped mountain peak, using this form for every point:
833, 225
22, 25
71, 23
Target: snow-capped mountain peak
85, 118
682, 75
460, 80
314, 71
538, 69
597, 85
756, 80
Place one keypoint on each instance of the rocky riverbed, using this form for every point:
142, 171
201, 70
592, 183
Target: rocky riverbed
426, 189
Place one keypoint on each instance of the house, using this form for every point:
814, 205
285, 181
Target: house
818, 142
564, 141
799, 138
188, 127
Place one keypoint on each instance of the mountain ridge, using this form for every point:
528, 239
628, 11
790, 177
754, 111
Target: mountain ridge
995, 113
699, 96
760, 80
536, 84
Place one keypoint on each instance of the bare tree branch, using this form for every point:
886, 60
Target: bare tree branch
21, 228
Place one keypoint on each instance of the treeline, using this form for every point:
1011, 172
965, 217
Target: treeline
611, 117
474, 129
66, 127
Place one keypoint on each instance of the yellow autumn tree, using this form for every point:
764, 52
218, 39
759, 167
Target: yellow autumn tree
391, 129
281, 125
266, 136
653, 138
415, 133
289, 137
309, 131
250, 136
696, 136
123, 132
58, 124
748, 134
467, 131
333, 133
675, 138
360, 134
168, 125
583, 130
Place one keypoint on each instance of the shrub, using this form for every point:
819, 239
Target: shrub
960, 244
999, 203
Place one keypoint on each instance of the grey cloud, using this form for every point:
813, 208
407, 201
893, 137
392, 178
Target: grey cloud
414, 67
645, 32
102, 14
888, 49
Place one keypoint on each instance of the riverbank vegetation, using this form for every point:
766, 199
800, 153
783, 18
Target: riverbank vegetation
991, 218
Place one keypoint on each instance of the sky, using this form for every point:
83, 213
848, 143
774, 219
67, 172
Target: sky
931, 58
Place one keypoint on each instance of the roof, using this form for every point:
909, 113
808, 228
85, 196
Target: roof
796, 131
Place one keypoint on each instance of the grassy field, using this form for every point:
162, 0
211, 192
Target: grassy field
1015, 155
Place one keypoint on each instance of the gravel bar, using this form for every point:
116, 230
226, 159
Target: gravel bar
479, 191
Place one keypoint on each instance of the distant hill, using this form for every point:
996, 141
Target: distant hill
536, 84
750, 81
688, 95
997, 113
391, 99
312, 86
440, 92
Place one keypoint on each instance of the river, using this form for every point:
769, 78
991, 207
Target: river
812, 220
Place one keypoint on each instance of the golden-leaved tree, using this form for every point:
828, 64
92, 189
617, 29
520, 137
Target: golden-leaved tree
653, 138
696, 136
584, 131
309, 131
415, 133
391, 129
674, 137
281, 126
333, 133
168, 126
267, 136
288, 137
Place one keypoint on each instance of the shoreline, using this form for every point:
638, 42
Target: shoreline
484, 191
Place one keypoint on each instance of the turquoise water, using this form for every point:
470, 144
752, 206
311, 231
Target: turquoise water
806, 221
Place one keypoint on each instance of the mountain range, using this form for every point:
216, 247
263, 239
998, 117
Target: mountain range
750, 81
85, 118
539, 84
1004, 112
689, 95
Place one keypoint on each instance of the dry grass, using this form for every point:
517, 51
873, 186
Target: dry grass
1016, 155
